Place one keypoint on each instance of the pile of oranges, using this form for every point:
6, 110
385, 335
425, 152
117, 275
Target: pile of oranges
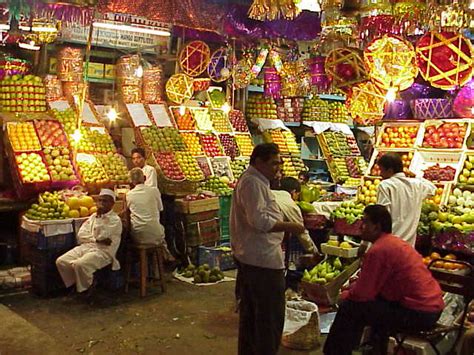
445, 264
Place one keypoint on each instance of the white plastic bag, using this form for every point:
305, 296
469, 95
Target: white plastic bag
297, 315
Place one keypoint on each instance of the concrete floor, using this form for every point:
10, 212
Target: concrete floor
185, 320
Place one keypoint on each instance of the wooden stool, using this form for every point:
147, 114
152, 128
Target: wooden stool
143, 251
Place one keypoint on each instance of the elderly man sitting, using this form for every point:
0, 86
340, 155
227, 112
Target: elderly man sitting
99, 239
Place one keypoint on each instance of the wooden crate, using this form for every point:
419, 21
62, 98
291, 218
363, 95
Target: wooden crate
191, 207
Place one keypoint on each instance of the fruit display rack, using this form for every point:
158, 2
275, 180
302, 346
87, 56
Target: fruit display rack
238, 122
406, 155
436, 166
92, 173
220, 122
191, 139
202, 118
95, 140
238, 166
292, 166
245, 144
397, 135
165, 139
183, 121
290, 109
334, 144
466, 171
210, 144
449, 135
229, 145
317, 109
221, 167
23, 137
259, 106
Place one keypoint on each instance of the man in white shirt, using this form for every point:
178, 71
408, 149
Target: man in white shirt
288, 192
144, 206
139, 161
403, 196
99, 238
257, 230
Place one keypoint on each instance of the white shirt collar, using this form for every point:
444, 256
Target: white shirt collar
399, 175
254, 171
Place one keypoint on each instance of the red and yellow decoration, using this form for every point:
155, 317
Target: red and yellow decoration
194, 58
366, 103
345, 67
179, 88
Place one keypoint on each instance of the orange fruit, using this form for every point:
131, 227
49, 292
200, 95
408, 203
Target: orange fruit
450, 257
435, 255
439, 264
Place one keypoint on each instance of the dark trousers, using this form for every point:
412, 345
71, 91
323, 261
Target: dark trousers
382, 316
262, 310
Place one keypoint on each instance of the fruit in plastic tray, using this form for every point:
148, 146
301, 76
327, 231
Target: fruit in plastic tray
185, 122
165, 139
237, 120
59, 164
217, 185
447, 266
169, 166
353, 167
191, 139
189, 166
220, 122
210, 145
114, 167
229, 145
467, 174
23, 136
352, 143
399, 137
67, 118
447, 135
290, 109
31, 168
290, 141
22, 94
221, 167
238, 167
259, 106
245, 144
50, 206
367, 193
438, 173
406, 160
92, 172
51, 134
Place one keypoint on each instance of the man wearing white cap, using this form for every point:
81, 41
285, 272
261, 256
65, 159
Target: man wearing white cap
99, 239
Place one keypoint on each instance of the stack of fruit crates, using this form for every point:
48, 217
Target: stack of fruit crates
224, 217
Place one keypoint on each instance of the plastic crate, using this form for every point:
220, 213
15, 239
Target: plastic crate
215, 257
203, 232
45, 260
39, 241
224, 226
224, 206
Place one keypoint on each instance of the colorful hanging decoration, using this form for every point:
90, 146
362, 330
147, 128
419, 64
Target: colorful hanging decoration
445, 59
296, 80
218, 69
464, 102
179, 88
276, 60
375, 7
270, 10
391, 62
345, 67
194, 58
449, 17
152, 85
260, 62
241, 73
10, 66
410, 17
366, 103
272, 86
374, 26
319, 79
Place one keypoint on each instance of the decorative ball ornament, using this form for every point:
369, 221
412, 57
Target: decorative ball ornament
241, 73
179, 88
194, 58
217, 68
345, 67
391, 62
445, 59
366, 103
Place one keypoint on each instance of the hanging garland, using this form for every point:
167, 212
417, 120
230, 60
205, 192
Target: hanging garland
270, 10
260, 62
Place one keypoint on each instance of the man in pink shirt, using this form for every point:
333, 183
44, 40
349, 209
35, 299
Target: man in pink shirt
395, 291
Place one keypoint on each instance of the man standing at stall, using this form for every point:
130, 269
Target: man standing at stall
257, 231
139, 161
403, 196
99, 238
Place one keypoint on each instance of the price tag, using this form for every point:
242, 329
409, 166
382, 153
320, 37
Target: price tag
160, 115
59, 105
88, 115
138, 114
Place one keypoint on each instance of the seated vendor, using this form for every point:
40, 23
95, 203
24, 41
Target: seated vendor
99, 239
395, 291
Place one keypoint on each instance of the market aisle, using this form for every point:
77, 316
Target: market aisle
123, 324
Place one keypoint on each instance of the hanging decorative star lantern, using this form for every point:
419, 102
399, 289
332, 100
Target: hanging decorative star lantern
269, 10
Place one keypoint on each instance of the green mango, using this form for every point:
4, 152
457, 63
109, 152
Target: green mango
306, 194
306, 207
306, 276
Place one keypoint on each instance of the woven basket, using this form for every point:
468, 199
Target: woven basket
305, 338
432, 108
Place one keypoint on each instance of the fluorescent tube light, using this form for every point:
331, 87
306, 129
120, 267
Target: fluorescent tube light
120, 27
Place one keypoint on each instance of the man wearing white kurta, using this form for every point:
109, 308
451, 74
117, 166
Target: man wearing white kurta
144, 205
402, 196
99, 239
138, 159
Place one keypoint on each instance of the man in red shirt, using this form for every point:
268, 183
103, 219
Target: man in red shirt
395, 291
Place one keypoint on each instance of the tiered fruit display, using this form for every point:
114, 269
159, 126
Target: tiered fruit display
221, 168
467, 174
91, 171
50, 206
31, 168
335, 144
441, 264
259, 106
59, 164
217, 97
406, 159
338, 112
229, 145
169, 166
399, 137
81, 206
353, 167
191, 139
23, 137
276, 136
447, 135
352, 143
51, 134
94, 141
203, 119
185, 122
204, 166
189, 166
165, 139
315, 109
350, 211
326, 271
218, 185
439, 173
292, 166
245, 144
220, 123
367, 194
351, 182
210, 145
22, 94
237, 120
338, 169
202, 274
290, 109
291, 142
114, 167
438, 196
67, 118
238, 167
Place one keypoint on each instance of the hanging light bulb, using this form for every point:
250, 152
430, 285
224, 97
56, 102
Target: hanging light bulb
112, 114
309, 5
77, 135
182, 110
226, 108
391, 94
139, 71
